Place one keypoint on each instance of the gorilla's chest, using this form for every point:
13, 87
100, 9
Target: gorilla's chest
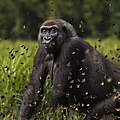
54, 69
65, 75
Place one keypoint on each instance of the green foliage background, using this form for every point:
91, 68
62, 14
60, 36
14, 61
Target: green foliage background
96, 18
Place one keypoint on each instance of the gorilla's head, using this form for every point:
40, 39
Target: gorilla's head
53, 33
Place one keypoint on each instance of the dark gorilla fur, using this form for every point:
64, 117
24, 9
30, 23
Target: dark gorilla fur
82, 78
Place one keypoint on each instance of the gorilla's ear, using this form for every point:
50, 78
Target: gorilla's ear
65, 29
39, 38
69, 30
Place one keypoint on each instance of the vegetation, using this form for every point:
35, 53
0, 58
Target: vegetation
22, 18
15, 68
16, 60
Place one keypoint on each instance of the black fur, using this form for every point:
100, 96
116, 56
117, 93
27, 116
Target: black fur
82, 79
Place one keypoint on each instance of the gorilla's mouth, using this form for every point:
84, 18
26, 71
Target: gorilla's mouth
46, 41
48, 44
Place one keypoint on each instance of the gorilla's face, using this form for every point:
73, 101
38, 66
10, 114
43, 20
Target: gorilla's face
48, 34
51, 36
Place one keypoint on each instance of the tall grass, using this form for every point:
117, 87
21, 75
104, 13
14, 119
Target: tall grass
16, 61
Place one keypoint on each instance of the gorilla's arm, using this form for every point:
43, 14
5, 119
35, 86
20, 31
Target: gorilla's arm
95, 74
34, 93
106, 106
108, 94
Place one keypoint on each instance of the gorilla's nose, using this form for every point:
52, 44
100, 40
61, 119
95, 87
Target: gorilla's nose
47, 38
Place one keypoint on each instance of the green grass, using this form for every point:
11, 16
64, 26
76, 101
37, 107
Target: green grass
16, 60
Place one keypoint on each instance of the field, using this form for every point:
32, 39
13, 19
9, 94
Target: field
16, 60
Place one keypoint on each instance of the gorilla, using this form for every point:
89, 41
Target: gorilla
82, 78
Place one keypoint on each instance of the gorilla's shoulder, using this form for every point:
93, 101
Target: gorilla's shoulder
77, 42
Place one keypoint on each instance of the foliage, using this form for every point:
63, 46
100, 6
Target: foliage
16, 61
22, 18
52, 8
15, 69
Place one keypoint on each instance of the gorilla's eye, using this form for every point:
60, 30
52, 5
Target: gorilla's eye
44, 31
53, 30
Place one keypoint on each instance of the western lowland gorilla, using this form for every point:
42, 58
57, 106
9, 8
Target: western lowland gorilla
82, 78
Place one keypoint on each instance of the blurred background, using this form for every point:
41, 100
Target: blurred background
96, 21
96, 18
